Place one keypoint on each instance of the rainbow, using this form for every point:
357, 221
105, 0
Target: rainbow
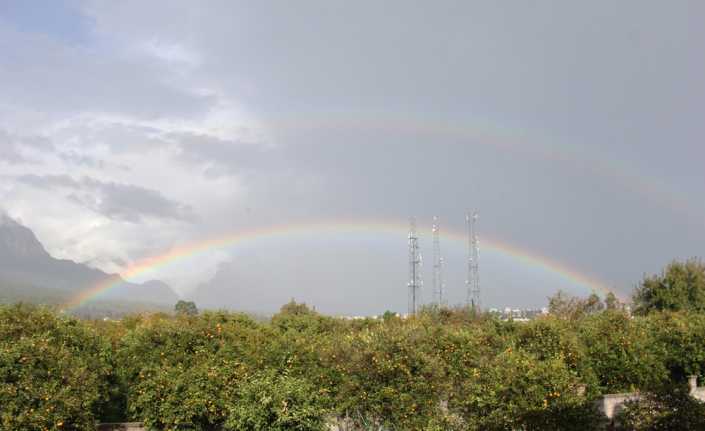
279, 232
481, 131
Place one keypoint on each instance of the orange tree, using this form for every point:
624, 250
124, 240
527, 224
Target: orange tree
621, 352
463, 348
273, 401
679, 337
668, 408
176, 357
514, 390
197, 372
386, 375
552, 337
163, 340
54, 371
177, 396
679, 287
295, 346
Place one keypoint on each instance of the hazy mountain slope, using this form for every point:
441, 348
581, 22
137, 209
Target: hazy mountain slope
24, 262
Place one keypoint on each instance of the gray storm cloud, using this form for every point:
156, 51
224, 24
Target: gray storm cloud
575, 129
113, 200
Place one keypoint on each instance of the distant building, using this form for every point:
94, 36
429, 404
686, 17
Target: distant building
518, 314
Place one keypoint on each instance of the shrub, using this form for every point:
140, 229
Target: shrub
549, 338
679, 287
670, 408
164, 341
54, 372
268, 401
175, 397
386, 376
679, 338
517, 391
621, 352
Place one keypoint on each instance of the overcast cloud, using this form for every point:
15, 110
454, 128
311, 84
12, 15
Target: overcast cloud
112, 200
128, 128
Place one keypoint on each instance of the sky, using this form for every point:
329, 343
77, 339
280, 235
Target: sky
130, 129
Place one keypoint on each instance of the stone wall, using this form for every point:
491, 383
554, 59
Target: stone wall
610, 404
695, 391
137, 426
125, 426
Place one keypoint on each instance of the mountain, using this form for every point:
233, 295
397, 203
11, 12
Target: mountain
25, 262
156, 291
18, 242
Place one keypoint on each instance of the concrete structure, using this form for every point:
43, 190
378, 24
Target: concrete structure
611, 404
695, 391
124, 426
337, 425
608, 404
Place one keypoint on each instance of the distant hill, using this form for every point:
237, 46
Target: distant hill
28, 271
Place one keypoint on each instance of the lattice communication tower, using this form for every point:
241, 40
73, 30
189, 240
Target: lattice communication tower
473, 280
415, 280
438, 281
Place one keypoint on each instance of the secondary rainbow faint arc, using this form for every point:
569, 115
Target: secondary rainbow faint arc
186, 251
492, 134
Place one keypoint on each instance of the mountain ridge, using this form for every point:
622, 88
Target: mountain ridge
23, 259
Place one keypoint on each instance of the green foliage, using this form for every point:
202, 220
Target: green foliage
680, 340
611, 302
443, 369
293, 308
553, 338
569, 307
681, 286
389, 315
196, 397
621, 352
159, 341
669, 408
268, 401
514, 390
298, 317
187, 308
54, 372
386, 376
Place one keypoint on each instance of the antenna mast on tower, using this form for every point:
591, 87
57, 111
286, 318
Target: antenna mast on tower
415, 280
438, 282
473, 281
